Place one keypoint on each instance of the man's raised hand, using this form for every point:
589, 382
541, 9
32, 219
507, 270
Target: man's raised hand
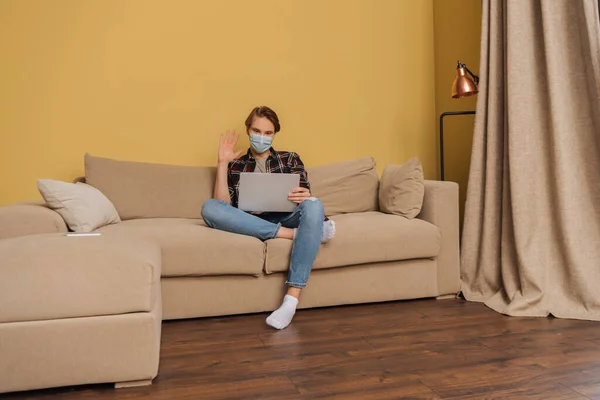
227, 144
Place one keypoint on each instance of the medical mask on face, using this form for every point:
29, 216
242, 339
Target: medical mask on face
260, 143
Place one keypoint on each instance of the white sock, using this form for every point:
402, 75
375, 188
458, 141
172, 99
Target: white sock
328, 231
282, 317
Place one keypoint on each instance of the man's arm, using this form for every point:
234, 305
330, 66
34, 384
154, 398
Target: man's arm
221, 191
227, 154
297, 167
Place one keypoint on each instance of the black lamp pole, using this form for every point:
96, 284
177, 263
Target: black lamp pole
442, 135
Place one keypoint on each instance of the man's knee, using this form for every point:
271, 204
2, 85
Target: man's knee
211, 209
312, 206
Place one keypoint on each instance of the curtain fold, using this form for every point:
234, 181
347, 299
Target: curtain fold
531, 236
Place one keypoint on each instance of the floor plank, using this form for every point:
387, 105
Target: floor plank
421, 349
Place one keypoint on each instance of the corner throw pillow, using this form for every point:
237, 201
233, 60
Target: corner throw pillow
402, 189
83, 207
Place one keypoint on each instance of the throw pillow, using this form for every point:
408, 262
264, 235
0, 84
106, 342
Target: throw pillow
83, 207
402, 189
346, 186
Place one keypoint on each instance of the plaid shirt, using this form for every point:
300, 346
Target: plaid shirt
282, 162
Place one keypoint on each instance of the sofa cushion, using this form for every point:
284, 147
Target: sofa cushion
29, 218
346, 187
53, 276
146, 190
364, 238
190, 248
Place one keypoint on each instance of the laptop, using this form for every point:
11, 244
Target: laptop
260, 192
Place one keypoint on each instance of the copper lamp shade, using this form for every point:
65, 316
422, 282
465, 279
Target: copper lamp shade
463, 85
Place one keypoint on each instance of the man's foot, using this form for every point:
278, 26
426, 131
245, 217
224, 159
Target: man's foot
328, 231
282, 317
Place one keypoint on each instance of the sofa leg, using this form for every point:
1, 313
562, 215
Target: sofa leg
143, 382
446, 297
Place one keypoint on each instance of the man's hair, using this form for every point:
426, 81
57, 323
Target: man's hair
263, 112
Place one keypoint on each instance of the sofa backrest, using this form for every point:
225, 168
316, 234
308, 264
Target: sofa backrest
148, 190
347, 186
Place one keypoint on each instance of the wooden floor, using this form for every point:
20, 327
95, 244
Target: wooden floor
425, 349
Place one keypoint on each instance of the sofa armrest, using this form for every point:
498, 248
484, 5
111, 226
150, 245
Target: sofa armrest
440, 207
31, 218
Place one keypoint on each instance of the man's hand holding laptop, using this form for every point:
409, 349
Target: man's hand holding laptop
299, 194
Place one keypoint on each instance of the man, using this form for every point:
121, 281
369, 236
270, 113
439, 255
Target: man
306, 225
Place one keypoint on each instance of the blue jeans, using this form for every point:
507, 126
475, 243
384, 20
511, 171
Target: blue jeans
308, 217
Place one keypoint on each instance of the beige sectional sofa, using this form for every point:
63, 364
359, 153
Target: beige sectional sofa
77, 310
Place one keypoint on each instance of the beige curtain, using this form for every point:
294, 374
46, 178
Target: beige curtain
531, 237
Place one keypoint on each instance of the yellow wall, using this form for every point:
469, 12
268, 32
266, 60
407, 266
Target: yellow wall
157, 81
457, 30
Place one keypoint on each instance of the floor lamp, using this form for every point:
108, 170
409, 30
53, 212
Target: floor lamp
463, 86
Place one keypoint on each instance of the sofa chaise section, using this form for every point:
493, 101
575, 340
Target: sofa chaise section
77, 310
